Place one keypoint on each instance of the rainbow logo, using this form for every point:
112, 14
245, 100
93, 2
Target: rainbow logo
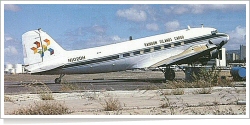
41, 49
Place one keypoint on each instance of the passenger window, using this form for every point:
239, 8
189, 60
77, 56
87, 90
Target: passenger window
126, 54
167, 46
157, 48
146, 50
136, 52
176, 44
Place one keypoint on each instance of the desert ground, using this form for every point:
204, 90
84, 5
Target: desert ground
122, 93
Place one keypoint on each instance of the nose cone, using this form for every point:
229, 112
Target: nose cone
226, 39
221, 40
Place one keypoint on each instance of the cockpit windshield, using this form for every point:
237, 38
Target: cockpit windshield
214, 32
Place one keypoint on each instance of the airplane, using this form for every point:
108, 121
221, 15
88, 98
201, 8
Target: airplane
42, 55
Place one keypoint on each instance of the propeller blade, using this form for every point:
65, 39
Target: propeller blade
220, 45
210, 42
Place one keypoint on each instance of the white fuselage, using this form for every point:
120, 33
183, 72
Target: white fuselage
139, 53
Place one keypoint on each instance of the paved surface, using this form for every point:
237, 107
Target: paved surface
130, 80
126, 80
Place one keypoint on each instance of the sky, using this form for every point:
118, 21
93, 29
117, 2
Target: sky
79, 26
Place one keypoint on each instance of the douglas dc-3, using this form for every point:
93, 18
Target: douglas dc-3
42, 55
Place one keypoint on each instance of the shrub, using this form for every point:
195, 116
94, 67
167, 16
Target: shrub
7, 99
67, 86
177, 91
111, 104
43, 109
211, 76
203, 91
46, 96
165, 102
42, 89
224, 82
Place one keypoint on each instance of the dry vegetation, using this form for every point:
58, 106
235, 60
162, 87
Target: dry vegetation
42, 89
203, 91
69, 87
42, 108
7, 99
111, 104
203, 81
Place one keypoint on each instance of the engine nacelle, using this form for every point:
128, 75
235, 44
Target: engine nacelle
214, 54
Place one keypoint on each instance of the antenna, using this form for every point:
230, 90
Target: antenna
130, 38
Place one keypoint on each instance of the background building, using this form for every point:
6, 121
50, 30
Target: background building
242, 52
232, 56
236, 57
13, 69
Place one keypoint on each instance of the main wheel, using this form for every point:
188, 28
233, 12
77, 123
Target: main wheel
57, 81
169, 74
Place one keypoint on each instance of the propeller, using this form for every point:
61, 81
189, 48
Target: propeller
217, 52
219, 49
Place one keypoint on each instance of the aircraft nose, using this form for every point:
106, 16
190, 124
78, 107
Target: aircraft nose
220, 41
226, 39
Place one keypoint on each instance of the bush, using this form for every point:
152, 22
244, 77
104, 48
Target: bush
111, 104
46, 96
7, 99
42, 89
211, 76
68, 87
203, 91
43, 109
177, 91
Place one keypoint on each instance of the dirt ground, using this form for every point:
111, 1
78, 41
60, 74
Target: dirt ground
219, 101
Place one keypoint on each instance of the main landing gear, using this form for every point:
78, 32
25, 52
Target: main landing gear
59, 79
169, 73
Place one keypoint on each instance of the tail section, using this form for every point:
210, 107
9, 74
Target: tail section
39, 47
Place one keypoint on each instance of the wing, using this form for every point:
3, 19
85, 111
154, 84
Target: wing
191, 54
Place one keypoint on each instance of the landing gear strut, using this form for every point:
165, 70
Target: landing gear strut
58, 80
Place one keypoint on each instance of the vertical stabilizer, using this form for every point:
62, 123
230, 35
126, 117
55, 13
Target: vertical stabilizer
39, 47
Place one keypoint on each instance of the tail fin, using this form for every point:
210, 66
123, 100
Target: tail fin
38, 47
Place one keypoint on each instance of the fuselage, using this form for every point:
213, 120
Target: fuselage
138, 53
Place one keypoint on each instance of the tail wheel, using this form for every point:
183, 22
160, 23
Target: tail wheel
169, 74
57, 80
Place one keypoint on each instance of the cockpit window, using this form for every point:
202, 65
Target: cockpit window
214, 32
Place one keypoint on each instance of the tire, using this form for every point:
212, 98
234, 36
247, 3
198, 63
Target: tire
57, 81
169, 75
